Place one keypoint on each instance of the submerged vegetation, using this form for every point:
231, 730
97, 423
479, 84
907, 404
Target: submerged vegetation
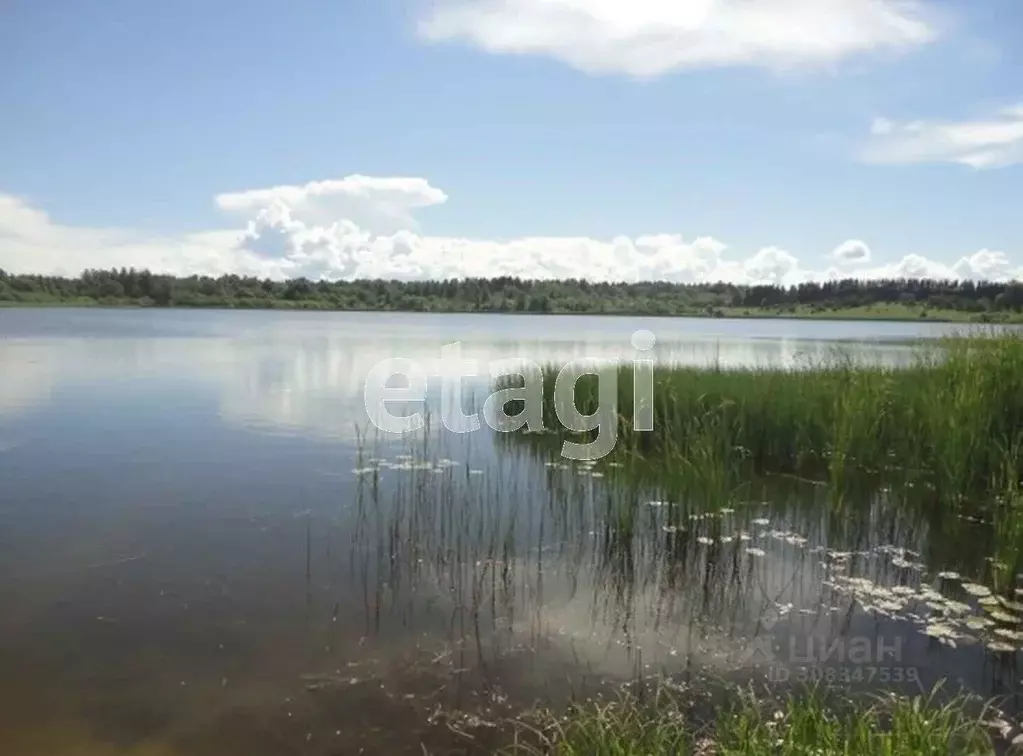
849, 298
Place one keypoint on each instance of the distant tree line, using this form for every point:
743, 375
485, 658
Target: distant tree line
504, 294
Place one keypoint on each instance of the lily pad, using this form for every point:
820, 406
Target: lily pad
1001, 616
1013, 635
940, 630
1000, 647
976, 590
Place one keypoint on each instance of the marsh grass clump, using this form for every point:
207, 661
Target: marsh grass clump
890, 726
948, 423
810, 724
621, 727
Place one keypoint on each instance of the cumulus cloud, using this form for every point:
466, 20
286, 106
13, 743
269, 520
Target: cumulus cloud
381, 205
312, 230
852, 251
985, 265
646, 38
992, 141
774, 266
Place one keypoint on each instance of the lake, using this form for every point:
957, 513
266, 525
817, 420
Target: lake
205, 547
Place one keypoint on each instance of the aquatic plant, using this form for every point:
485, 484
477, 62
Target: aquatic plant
943, 423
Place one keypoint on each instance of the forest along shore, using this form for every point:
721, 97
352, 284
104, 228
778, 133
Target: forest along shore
895, 299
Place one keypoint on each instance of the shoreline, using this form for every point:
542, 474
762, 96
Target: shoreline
843, 315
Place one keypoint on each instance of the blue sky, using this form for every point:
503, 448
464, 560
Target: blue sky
685, 140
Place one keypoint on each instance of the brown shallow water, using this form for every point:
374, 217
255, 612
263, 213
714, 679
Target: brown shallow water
189, 565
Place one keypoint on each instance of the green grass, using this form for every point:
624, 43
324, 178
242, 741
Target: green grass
951, 423
805, 725
881, 311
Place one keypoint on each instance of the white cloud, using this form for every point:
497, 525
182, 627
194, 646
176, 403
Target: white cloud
985, 265
382, 205
31, 242
992, 141
292, 231
773, 265
852, 251
647, 38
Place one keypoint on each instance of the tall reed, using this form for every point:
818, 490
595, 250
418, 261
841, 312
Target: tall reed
945, 420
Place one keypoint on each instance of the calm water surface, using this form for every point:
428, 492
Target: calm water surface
189, 564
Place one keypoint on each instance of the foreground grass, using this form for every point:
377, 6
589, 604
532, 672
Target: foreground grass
800, 726
951, 423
